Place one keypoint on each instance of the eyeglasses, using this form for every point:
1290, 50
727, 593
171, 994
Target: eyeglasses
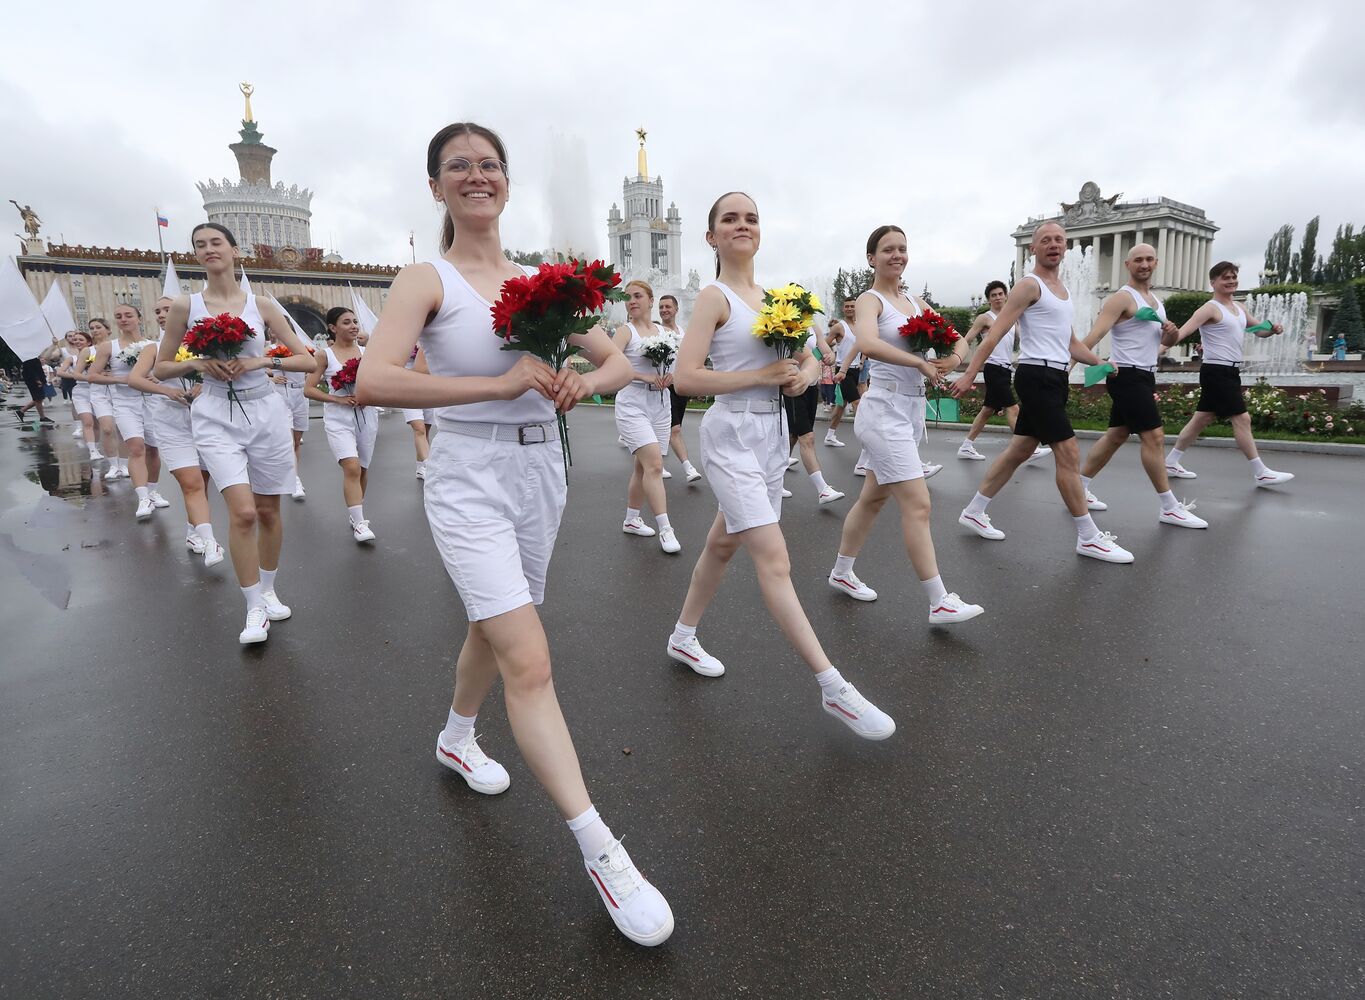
460, 167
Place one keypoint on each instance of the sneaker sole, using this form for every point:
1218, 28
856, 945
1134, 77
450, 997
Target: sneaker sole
833, 499
253, 641
477, 786
835, 585
1096, 506
639, 534
972, 458
874, 737
956, 619
209, 563
1277, 482
681, 657
280, 618
1104, 558
1174, 474
1181, 524
977, 529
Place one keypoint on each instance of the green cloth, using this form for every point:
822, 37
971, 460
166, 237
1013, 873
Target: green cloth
1097, 373
1261, 327
597, 398
1147, 313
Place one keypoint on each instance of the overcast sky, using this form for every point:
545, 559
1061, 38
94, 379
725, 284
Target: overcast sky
956, 122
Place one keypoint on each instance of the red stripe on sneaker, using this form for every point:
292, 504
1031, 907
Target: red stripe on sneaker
842, 710
598, 880
1093, 545
846, 584
694, 659
973, 520
446, 753
944, 610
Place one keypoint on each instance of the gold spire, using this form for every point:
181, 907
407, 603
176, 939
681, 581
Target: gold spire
247, 90
641, 164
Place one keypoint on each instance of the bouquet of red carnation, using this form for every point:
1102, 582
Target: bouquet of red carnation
539, 312
221, 337
279, 351
929, 331
343, 382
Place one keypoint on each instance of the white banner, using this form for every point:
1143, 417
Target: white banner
22, 325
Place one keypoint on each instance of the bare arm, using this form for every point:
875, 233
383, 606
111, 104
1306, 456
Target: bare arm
621, 340
140, 378
1253, 321
95, 370
166, 367
277, 323
310, 384
1020, 298
866, 311
693, 378
1204, 314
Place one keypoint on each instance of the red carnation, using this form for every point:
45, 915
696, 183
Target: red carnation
345, 378
929, 330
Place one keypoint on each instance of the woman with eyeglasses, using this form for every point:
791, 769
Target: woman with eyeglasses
495, 493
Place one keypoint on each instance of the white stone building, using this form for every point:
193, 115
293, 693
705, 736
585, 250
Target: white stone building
645, 238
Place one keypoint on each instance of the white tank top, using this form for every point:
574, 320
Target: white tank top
846, 346
1045, 327
1223, 340
888, 326
1003, 352
677, 336
734, 348
1135, 342
460, 342
117, 366
634, 353
253, 347
335, 364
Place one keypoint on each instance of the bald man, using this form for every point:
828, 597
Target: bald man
1042, 307
1133, 350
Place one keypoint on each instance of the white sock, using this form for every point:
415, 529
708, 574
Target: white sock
1168, 500
632, 513
829, 433
1086, 481
253, 596
829, 680
681, 632
142, 492
1174, 456
591, 833
1257, 467
152, 485
1085, 527
190, 532
205, 531
357, 513
661, 520
123, 464
967, 443
818, 480
458, 727
843, 564
93, 448
978, 504
935, 590
268, 578
688, 468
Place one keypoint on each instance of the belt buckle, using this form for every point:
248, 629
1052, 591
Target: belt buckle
521, 434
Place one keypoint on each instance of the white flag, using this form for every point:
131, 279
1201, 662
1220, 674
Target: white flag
60, 322
298, 330
22, 324
246, 285
171, 289
368, 320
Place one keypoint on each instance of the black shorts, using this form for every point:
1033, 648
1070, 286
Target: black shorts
1043, 393
1132, 394
999, 395
1220, 390
35, 378
68, 385
801, 411
848, 388
679, 406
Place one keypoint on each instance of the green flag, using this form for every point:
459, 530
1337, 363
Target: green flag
1261, 327
1095, 373
1147, 313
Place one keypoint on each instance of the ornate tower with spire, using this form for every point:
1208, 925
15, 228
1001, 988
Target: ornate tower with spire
258, 214
645, 238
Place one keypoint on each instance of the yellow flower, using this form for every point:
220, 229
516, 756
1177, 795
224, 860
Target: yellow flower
780, 295
784, 312
185, 354
815, 303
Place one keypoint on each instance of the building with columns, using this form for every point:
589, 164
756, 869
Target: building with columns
644, 239
1182, 235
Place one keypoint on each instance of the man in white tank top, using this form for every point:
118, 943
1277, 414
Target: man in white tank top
1134, 346
668, 316
1041, 305
1223, 325
846, 357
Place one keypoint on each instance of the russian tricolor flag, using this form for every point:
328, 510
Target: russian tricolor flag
162, 221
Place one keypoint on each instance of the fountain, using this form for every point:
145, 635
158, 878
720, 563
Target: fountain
1079, 272
1283, 354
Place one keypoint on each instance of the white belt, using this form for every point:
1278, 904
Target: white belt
238, 395
1044, 363
749, 405
897, 388
1226, 364
512, 433
1136, 368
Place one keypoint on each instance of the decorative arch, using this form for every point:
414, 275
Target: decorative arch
307, 313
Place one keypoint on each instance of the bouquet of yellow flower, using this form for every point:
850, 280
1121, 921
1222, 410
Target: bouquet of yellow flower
785, 320
185, 354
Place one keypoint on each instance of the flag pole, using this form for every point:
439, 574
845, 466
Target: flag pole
412, 246
161, 249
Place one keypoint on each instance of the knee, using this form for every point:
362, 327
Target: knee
874, 504
136, 449
267, 517
527, 673
243, 518
775, 566
650, 461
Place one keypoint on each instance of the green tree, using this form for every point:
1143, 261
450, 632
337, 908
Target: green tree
849, 285
530, 259
1347, 259
1308, 252
1347, 323
1277, 251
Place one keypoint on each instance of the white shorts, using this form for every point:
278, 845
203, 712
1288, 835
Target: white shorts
128, 413
297, 404
643, 417
744, 458
494, 509
101, 405
888, 427
80, 398
427, 417
170, 421
248, 444
350, 432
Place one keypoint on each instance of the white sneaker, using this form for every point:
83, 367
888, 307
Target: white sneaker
856, 712
1181, 517
849, 584
1105, 548
692, 474
257, 627
981, 524
298, 493
362, 532
665, 474
1272, 478
638, 910
953, 609
144, 508
1094, 502
111, 474
689, 651
669, 541
829, 494
121, 470
636, 526
79, 431
861, 470
195, 544
931, 470
1039, 453
274, 610
96, 455
157, 499
833, 441
968, 450
786, 493
480, 773
213, 554
1178, 471
421, 470
791, 462
621, 441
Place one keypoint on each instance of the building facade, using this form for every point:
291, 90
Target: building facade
1182, 234
645, 238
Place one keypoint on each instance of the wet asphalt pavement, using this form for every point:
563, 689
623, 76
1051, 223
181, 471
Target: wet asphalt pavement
1139, 781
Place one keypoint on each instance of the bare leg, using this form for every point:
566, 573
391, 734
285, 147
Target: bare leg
1103, 450
715, 556
808, 459
1241, 431
137, 461
650, 464
982, 416
1016, 453
675, 443
269, 531
476, 670
1067, 458
196, 499
836, 418
1011, 415
1154, 458
153, 465
912, 496
88, 428
858, 522
768, 549
352, 489
1191, 431
242, 543
298, 441
420, 443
